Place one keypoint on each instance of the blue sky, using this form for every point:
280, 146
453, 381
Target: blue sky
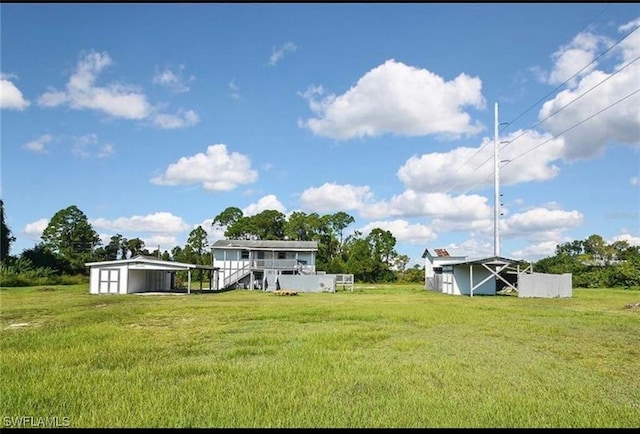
154, 118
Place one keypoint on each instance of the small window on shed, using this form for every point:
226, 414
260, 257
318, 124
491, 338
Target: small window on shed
244, 254
282, 255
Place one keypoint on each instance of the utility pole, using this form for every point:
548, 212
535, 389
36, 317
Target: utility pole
496, 188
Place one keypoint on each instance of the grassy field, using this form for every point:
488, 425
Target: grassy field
382, 356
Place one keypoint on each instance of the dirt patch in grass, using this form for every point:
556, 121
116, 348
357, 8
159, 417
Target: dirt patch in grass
46, 289
285, 292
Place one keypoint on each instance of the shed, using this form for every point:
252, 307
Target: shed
139, 274
461, 276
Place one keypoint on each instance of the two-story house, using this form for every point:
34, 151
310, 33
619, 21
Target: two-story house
256, 264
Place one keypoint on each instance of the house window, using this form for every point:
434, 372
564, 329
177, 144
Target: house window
282, 255
244, 254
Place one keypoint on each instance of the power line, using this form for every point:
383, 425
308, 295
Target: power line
573, 76
506, 124
558, 135
575, 125
562, 108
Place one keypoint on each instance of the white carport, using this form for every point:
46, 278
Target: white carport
140, 274
487, 274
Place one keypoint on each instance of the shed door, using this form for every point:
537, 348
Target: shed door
109, 281
447, 282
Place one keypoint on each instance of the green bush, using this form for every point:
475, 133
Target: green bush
21, 273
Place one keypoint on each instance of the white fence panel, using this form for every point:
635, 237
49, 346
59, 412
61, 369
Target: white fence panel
544, 285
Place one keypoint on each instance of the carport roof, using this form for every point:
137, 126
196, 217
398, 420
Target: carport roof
490, 260
141, 259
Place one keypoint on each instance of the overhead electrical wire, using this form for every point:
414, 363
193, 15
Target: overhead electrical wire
557, 135
571, 78
574, 125
507, 124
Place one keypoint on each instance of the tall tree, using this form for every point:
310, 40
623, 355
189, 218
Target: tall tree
297, 227
6, 239
339, 222
198, 243
269, 224
360, 262
227, 217
382, 244
70, 235
135, 246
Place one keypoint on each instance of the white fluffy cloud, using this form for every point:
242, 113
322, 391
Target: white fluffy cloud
618, 124
403, 231
538, 251
11, 97
165, 242
540, 223
116, 99
465, 168
632, 240
39, 145
400, 99
569, 58
217, 170
160, 222
34, 230
267, 202
435, 205
331, 197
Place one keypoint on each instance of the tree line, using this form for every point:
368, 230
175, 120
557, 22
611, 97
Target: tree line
69, 241
594, 263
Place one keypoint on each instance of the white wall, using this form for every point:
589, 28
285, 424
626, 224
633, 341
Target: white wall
136, 282
94, 280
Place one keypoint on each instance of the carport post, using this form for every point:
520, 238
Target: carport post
189, 281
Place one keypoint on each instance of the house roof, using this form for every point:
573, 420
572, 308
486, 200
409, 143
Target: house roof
142, 259
266, 245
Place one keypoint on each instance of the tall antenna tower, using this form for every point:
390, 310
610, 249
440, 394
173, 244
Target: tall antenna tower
496, 187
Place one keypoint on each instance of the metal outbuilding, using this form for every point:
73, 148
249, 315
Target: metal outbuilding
140, 274
458, 275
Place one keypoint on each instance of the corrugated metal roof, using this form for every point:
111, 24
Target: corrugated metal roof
266, 245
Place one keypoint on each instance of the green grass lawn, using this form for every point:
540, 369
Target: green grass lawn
382, 356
